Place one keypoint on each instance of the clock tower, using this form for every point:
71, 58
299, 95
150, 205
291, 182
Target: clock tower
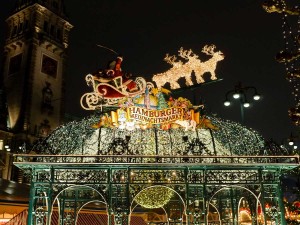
35, 56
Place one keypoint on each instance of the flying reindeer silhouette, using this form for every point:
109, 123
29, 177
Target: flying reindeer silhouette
193, 63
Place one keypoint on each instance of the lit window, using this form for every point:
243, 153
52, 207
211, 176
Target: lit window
1, 144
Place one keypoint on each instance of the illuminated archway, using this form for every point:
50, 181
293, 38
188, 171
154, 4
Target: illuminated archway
239, 202
75, 188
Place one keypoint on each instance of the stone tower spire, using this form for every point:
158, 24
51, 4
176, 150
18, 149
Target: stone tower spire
35, 54
56, 6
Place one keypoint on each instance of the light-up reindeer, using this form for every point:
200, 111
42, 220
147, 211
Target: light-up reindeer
193, 63
172, 75
209, 65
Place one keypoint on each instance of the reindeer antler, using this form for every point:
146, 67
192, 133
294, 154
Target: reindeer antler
170, 59
209, 49
186, 54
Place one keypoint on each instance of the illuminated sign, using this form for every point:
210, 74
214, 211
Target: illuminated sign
155, 116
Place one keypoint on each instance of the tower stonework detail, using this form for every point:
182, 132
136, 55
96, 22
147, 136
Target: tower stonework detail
34, 66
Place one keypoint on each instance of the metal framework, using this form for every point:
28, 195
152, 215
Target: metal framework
226, 176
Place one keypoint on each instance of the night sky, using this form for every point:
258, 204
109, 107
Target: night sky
144, 31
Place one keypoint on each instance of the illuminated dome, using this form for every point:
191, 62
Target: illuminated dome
80, 138
147, 151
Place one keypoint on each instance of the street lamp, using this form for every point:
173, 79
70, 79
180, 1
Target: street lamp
240, 93
293, 141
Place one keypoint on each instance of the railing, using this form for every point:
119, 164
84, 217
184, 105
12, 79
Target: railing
155, 159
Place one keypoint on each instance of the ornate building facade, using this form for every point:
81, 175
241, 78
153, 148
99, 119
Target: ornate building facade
35, 54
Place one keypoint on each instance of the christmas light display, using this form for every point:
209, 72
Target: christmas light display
110, 91
154, 197
145, 150
290, 56
79, 137
184, 69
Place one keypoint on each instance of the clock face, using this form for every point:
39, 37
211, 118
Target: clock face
49, 66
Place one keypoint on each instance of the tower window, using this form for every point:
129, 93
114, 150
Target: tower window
58, 34
49, 66
20, 30
52, 30
46, 25
26, 25
55, 4
14, 31
15, 64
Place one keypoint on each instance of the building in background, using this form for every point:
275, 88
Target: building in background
32, 77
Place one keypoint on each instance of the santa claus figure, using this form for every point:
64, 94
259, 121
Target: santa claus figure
114, 70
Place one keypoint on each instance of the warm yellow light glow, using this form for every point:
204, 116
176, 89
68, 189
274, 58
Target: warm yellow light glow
273, 6
184, 69
154, 197
1, 144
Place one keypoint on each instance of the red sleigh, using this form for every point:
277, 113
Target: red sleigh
109, 91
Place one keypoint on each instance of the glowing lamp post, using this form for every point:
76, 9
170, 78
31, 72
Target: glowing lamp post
240, 93
293, 142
